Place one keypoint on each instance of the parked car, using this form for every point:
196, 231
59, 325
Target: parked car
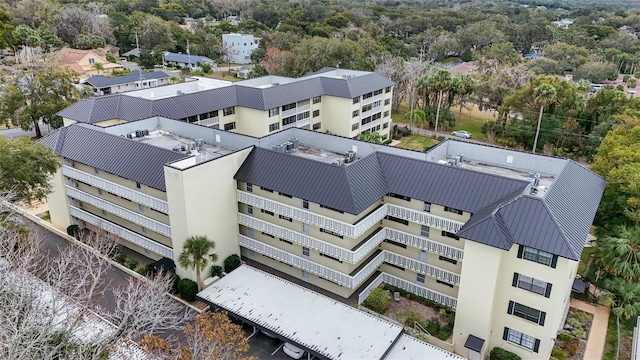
269, 334
293, 351
462, 134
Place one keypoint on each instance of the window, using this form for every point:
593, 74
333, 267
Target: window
387, 101
424, 231
316, 113
521, 339
286, 241
404, 246
401, 197
367, 96
192, 119
274, 112
141, 208
305, 228
249, 209
304, 115
327, 231
444, 283
274, 127
267, 212
356, 99
269, 235
398, 220
526, 313
355, 113
450, 235
444, 258
367, 108
331, 257
426, 207
92, 61
285, 218
100, 192
355, 127
377, 92
289, 107
539, 256
317, 99
305, 251
386, 114
138, 185
104, 213
420, 278
452, 210
317, 126
266, 189
385, 125
387, 89
249, 187
230, 126
285, 195
305, 204
531, 284
144, 230
229, 111
288, 120
250, 233
330, 208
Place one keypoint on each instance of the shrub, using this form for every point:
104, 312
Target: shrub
72, 230
131, 263
176, 282
120, 258
412, 319
216, 270
231, 263
564, 337
572, 346
502, 354
579, 333
378, 301
558, 354
187, 289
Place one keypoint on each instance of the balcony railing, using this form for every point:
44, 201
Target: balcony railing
408, 286
345, 254
209, 122
117, 189
119, 211
342, 227
371, 125
371, 99
422, 268
296, 110
130, 236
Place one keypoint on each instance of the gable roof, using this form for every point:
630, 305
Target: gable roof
100, 81
557, 223
114, 154
101, 108
69, 56
186, 58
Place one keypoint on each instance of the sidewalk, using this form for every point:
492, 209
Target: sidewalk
598, 334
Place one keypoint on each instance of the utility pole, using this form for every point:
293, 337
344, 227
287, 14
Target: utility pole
189, 56
139, 68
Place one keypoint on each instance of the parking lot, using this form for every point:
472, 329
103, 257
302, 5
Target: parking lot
264, 347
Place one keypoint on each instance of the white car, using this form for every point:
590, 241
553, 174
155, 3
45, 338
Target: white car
293, 351
462, 134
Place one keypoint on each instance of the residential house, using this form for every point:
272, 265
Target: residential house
105, 85
343, 102
86, 62
113, 50
495, 234
187, 61
240, 47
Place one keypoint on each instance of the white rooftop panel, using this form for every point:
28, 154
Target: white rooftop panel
326, 326
410, 348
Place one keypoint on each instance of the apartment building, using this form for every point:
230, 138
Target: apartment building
240, 47
338, 101
495, 234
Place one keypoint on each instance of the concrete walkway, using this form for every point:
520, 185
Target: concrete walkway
598, 334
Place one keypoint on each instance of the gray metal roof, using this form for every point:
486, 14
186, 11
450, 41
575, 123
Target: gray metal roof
186, 58
117, 155
101, 81
181, 106
557, 223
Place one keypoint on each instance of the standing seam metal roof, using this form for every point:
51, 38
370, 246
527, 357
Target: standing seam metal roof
101, 81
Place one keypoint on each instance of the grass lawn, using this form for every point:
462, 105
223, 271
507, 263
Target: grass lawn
626, 340
416, 142
449, 60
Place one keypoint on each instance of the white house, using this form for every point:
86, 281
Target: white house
240, 47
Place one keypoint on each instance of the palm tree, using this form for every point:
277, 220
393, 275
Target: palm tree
462, 86
194, 255
417, 116
620, 255
440, 82
543, 95
373, 137
623, 297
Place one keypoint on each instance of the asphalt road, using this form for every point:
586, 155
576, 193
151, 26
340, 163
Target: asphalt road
17, 132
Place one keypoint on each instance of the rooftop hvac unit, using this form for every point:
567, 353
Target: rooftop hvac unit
179, 92
139, 133
338, 162
456, 160
351, 155
295, 142
132, 135
288, 146
129, 136
145, 132
279, 148
176, 149
183, 148
199, 143
533, 175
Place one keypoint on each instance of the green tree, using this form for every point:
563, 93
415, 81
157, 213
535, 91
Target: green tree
25, 168
6, 29
570, 57
596, 72
623, 297
440, 82
373, 137
416, 117
619, 254
37, 94
462, 86
378, 300
111, 58
544, 94
194, 255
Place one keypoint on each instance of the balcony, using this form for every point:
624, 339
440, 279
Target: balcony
209, 122
119, 211
408, 286
372, 99
296, 110
125, 192
351, 256
342, 227
371, 125
130, 236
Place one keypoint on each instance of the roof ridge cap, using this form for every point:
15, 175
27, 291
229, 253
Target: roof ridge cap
557, 224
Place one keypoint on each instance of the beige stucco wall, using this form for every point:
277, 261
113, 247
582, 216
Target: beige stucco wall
228, 119
67, 122
121, 181
58, 201
336, 115
202, 201
251, 121
110, 122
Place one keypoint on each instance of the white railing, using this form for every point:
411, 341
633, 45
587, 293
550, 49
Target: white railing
303, 108
369, 269
372, 285
114, 188
440, 298
289, 112
371, 244
371, 125
424, 243
128, 235
303, 122
375, 110
120, 211
372, 99
209, 122
345, 228
421, 267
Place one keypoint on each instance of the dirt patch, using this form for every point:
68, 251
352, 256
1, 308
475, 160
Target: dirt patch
400, 310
